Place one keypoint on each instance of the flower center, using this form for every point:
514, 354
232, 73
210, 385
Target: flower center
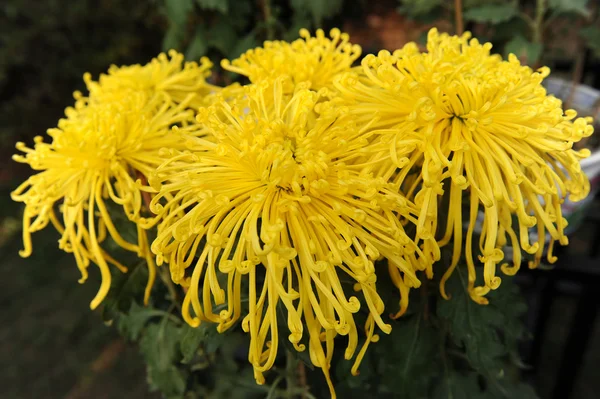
292, 160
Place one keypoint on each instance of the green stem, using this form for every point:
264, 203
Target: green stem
167, 315
166, 279
265, 5
458, 17
443, 335
538, 26
273, 389
528, 19
302, 392
301, 373
290, 373
425, 298
242, 383
577, 73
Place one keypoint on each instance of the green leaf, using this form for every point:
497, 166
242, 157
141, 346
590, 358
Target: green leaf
160, 347
178, 11
299, 21
191, 339
222, 36
242, 15
510, 304
570, 6
234, 343
242, 45
591, 36
399, 363
214, 339
173, 37
197, 47
354, 384
519, 390
123, 290
159, 344
473, 326
318, 9
284, 342
419, 8
132, 323
414, 344
493, 14
486, 334
526, 51
238, 384
217, 5
456, 385
171, 381
505, 31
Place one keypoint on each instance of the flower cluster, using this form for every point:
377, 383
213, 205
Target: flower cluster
274, 203
281, 196
473, 126
313, 61
104, 150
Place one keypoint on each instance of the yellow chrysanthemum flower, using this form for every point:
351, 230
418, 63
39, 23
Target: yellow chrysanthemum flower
170, 76
96, 155
309, 60
469, 122
279, 197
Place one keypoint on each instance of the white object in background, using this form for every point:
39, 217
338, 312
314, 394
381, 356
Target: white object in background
574, 212
584, 100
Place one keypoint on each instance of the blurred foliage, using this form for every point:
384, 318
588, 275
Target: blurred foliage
519, 27
491, 13
227, 28
591, 35
439, 349
46, 46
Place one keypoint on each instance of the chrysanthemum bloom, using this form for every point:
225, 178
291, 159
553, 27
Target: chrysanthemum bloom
473, 126
171, 77
280, 197
310, 60
96, 156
